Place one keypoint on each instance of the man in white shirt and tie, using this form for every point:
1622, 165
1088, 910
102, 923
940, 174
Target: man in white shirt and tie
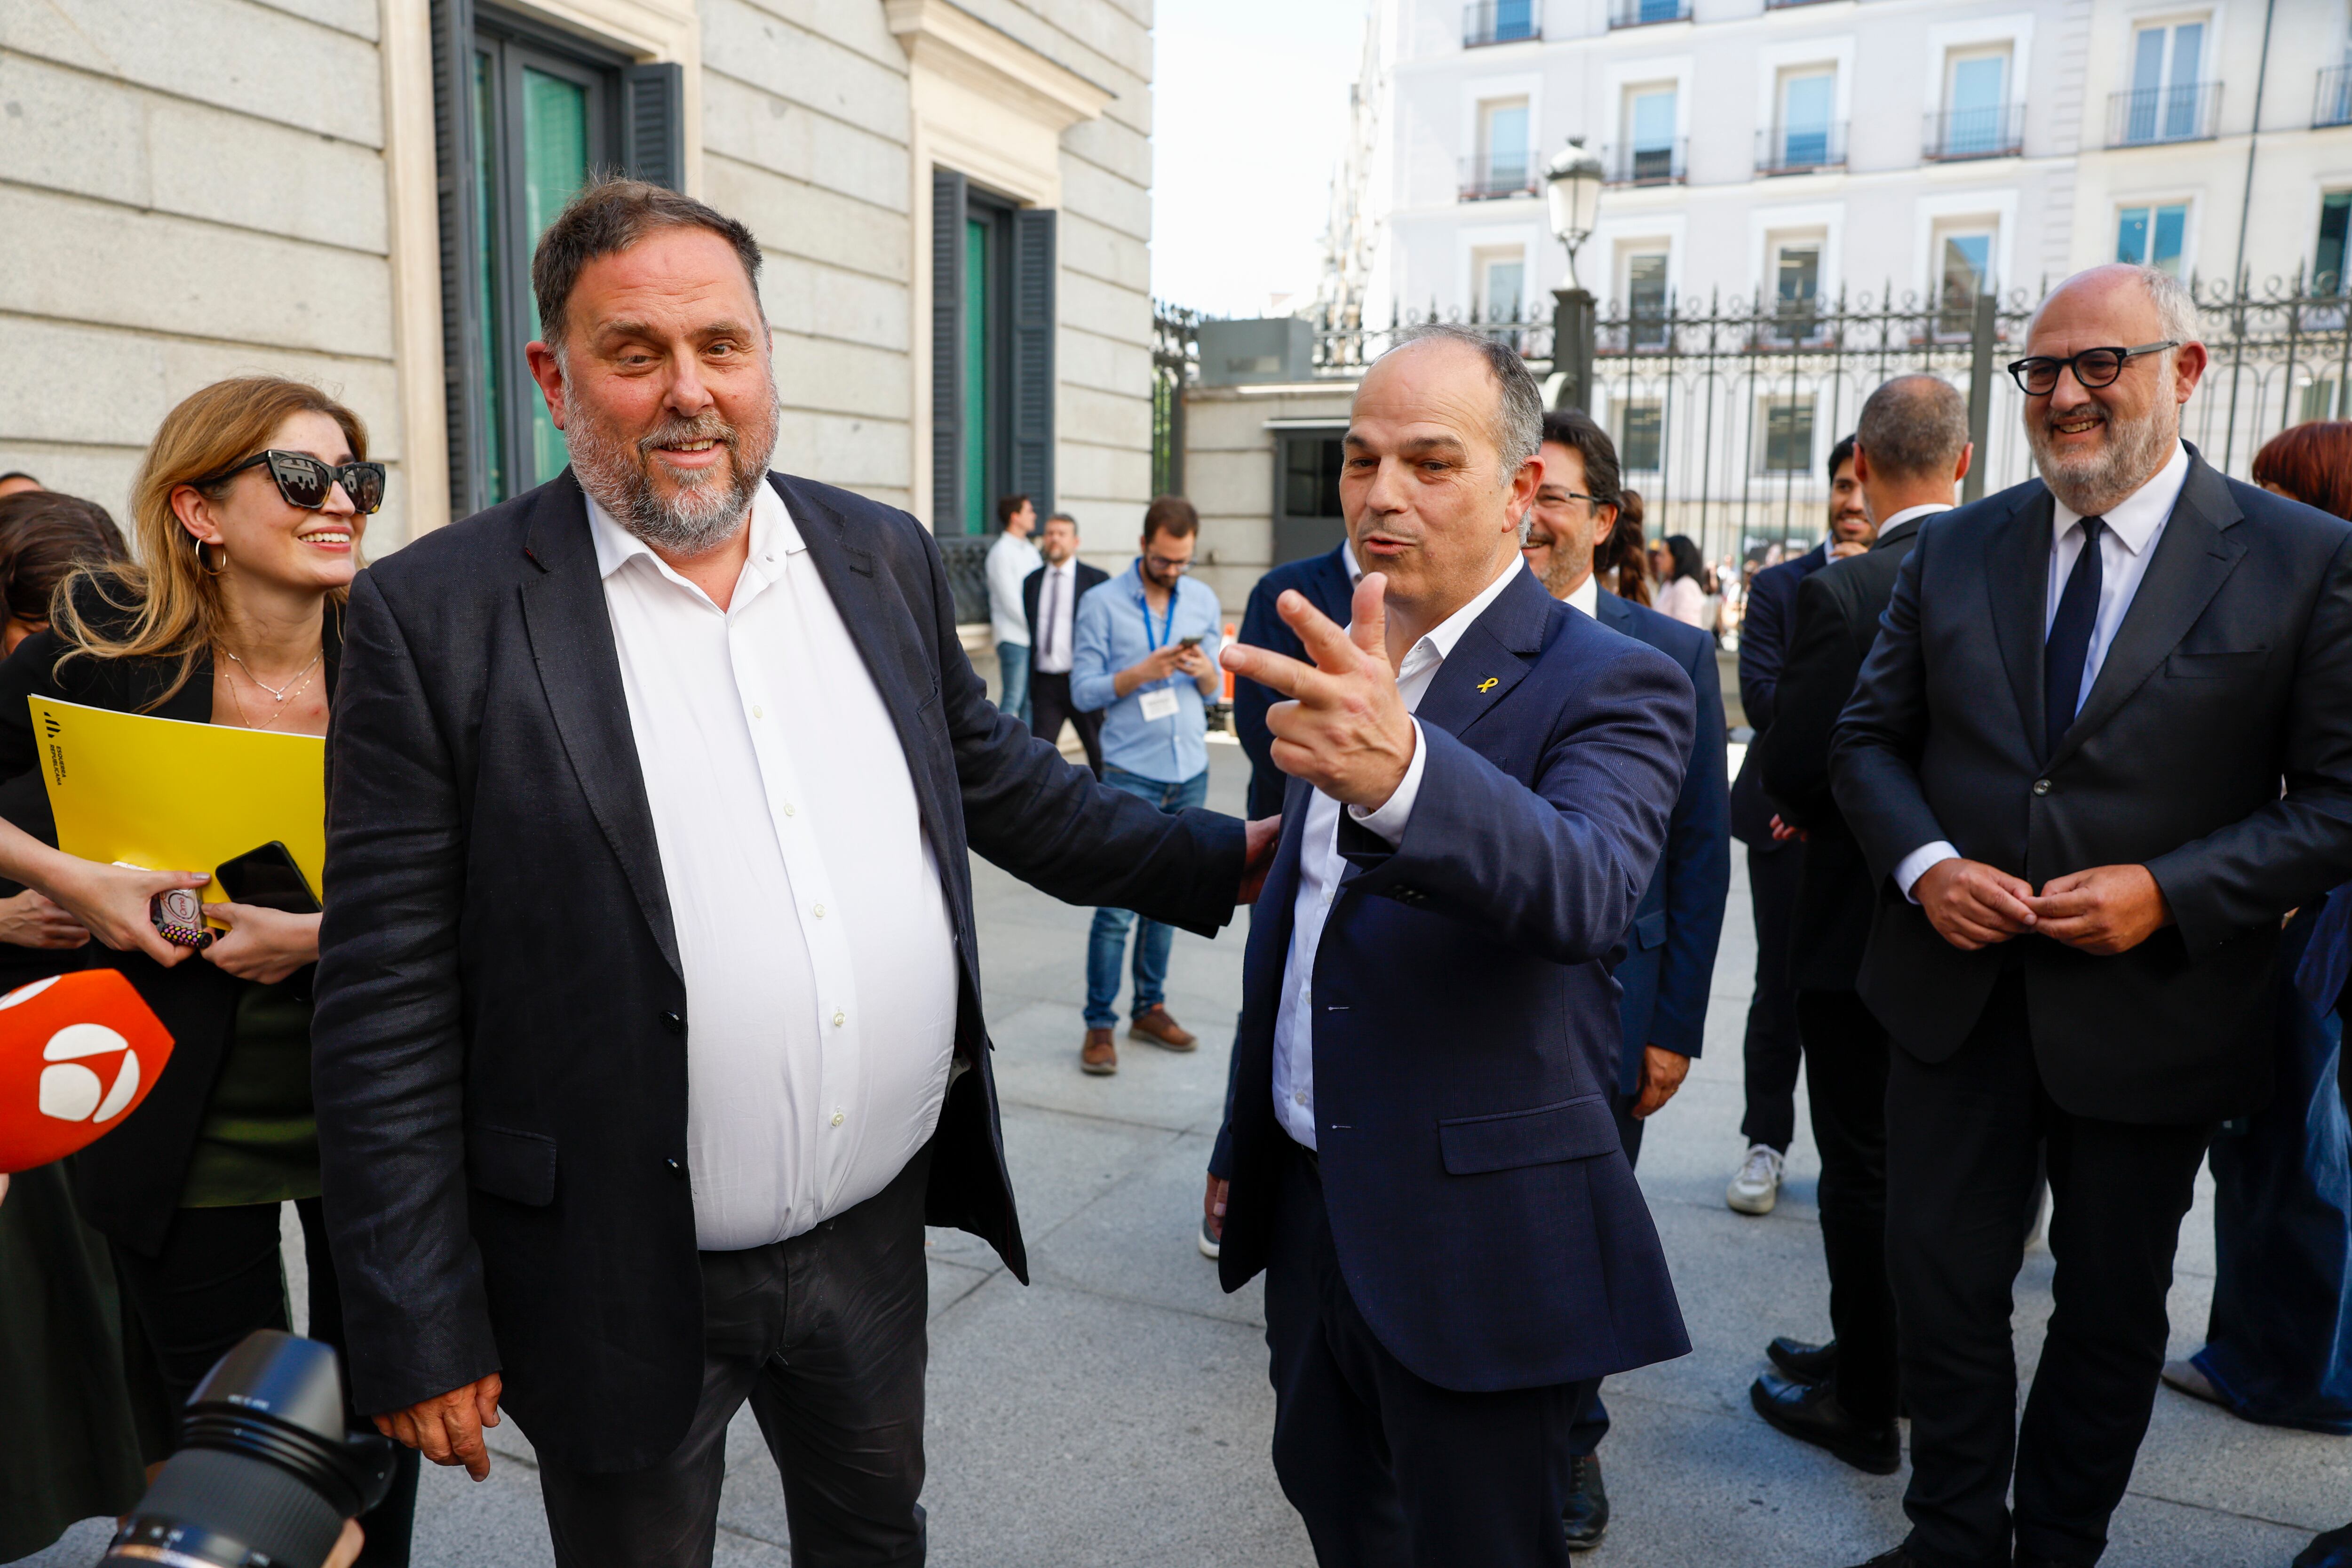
1049, 599
2063, 764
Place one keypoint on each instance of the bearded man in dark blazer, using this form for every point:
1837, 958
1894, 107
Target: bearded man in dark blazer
2102, 745
649, 1029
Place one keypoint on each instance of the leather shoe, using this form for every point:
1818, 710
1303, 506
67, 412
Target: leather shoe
1802, 1361
1098, 1056
1811, 1413
2331, 1550
1154, 1027
1586, 1517
2190, 1379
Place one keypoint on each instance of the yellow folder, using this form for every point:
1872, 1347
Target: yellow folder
170, 795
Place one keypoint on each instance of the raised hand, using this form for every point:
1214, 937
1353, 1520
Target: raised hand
1346, 730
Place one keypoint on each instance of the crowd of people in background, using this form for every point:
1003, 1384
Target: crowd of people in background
2046, 811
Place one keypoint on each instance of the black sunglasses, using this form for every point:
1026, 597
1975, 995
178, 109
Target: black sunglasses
305, 481
2038, 377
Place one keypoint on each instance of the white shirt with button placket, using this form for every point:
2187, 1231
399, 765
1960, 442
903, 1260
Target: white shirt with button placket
1320, 869
819, 961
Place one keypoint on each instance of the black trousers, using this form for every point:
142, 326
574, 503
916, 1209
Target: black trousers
218, 1278
1049, 704
1961, 1144
1771, 1052
1387, 1469
823, 1334
1845, 1082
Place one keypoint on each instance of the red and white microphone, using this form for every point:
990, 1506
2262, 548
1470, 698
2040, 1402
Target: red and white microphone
77, 1053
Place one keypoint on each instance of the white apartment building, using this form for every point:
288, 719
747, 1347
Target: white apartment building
953, 199
1796, 148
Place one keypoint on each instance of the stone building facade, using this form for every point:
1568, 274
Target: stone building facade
953, 197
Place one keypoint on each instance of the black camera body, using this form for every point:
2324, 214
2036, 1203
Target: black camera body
266, 1471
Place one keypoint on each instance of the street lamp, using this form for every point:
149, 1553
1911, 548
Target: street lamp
1572, 191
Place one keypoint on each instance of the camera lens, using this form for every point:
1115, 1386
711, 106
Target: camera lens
267, 1473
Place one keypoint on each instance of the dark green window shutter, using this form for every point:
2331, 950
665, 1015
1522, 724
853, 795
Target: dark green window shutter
948, 198
653, 122
463, 373
1032, 356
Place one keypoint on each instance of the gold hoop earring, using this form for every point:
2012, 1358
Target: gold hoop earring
210, 570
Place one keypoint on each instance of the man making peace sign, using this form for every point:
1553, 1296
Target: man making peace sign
1424, 1161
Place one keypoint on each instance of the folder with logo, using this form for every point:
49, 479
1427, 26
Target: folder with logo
175, 796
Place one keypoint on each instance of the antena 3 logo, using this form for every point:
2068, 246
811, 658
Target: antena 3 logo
70, 1089
77, 1053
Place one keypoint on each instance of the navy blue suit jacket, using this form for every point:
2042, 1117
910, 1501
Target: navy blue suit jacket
1486, 1220
1766, 627
1669, 963
1324, 580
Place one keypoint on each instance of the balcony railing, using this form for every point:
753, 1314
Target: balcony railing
1501, 22
1801, 149
1644, 12
2332, 105
1959, 133
1785, 5
1646, 165
2184, 112
1491, 176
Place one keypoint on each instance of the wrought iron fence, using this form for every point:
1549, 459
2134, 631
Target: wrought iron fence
1724, 409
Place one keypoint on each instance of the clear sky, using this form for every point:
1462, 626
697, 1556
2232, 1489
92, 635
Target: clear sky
1249, 117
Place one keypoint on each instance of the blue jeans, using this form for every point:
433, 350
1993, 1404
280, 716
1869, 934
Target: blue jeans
1013, 682
1106, 943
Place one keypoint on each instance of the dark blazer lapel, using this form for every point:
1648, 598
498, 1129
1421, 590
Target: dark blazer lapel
1491, 658
580, 669
2194, 556
2017, 580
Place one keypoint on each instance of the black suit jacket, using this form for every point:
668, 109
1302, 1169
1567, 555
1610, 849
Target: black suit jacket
1324, 580
500, 1040
2231, 674
1087, 579
1837, 620
128, 1183
1764, 629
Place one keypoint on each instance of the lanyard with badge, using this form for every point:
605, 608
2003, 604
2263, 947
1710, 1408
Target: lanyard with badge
1158, 701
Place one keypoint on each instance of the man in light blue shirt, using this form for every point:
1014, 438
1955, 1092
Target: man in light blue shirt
1145, 649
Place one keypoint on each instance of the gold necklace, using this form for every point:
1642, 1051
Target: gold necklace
277, 691
291, 689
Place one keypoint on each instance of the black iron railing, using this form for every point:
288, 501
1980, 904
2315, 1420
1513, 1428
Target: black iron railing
1488, 176
1801, 149
1501, 22
1645, 13
1665, 166
2186, 113
1961, 133
2332, 105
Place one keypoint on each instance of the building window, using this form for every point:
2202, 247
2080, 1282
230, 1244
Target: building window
1307, 516
1804, 134
1641, 435
1500, 22
1499, 282
1797, 288
2334, 230
1976, 121
1650, 139
2169, 101
1646, 297
2152, 235
1787, 435
1963, 271
1504, 165
993, 277
524, 115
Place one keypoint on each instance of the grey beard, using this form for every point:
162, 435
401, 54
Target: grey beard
2093, 486
706, 509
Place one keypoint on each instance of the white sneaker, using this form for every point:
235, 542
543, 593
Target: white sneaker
1758, 1187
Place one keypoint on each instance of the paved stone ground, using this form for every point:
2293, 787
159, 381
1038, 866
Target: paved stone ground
1117, 1413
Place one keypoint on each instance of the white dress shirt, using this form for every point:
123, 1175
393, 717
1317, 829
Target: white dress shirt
2127, 544
1586, 595
819, 961
1320, 869
1008, 564
1058, 617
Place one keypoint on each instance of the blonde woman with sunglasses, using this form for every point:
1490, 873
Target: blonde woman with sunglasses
247, 517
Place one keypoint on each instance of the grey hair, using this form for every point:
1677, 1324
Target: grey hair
1914, 426
1518, 406
2176, 306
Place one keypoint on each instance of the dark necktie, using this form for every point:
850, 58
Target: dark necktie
2069, 648
1052, 605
